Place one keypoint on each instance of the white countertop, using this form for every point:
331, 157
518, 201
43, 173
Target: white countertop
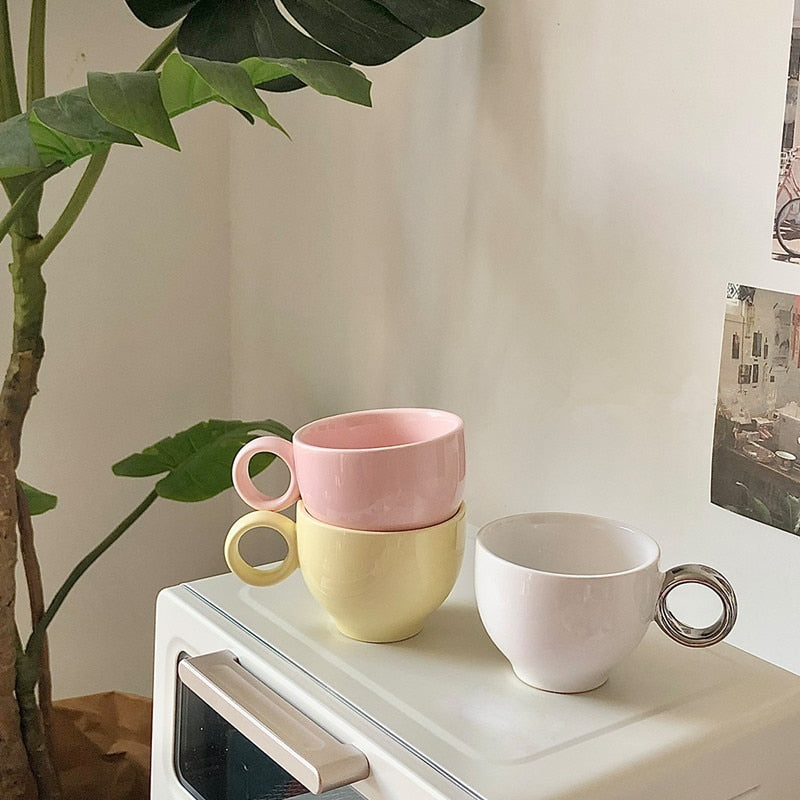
452, 698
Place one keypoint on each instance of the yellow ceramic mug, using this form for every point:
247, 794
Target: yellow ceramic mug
379, 586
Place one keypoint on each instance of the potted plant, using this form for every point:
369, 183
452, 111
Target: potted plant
223, 51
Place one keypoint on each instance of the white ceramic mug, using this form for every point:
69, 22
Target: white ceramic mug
566, 597
385, 469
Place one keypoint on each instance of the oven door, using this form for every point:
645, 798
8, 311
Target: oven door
236, 739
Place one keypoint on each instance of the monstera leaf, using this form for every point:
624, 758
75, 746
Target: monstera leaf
227, 49
361, 31
198, 460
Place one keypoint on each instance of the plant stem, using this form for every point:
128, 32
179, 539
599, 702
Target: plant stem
35, 716
159, 55
9, 96
33, 576
35, 86
34, 644
94, 168
29, 193
19, 670
16, 778
17, 391
74, 205
33, 731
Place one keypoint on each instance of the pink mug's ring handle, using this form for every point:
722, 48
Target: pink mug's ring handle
243, 483
686, 634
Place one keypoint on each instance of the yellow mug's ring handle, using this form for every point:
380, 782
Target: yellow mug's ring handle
248, 573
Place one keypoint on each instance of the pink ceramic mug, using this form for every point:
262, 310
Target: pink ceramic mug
386, 469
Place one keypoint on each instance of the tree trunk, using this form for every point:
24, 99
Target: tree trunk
21, 735
33, 576
16, 779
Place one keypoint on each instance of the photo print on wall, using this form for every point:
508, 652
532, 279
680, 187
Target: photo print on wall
755, 465
786, 230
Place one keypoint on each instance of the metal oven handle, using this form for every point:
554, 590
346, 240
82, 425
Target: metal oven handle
300, 746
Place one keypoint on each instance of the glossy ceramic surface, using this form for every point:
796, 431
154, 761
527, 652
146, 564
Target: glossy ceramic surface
379, 470
378, 586
566, 597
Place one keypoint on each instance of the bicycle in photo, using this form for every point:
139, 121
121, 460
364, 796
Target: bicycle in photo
787, 201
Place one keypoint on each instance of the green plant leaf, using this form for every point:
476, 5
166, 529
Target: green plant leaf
248, 28
38, 501
73, 114
326, 77
434, 17
362, 31
182, 88
18, 153
132, 100
231, 84
160, 13
53, 145
265, 70
198, 460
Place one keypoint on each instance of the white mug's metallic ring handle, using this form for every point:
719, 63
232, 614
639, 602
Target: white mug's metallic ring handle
248, 573
686, 634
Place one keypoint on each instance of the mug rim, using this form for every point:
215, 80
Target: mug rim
565, 515
457, 425
302, 512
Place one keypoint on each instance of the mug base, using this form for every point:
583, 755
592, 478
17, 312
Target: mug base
395, 634
563, 687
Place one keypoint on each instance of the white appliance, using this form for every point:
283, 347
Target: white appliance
441, 715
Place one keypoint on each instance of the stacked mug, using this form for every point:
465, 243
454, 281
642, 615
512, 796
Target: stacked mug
380, 523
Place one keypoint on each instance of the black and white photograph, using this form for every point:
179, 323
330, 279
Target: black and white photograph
786, 232
755, 468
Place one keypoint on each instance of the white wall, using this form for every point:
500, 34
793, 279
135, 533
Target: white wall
137, 338
534, 227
